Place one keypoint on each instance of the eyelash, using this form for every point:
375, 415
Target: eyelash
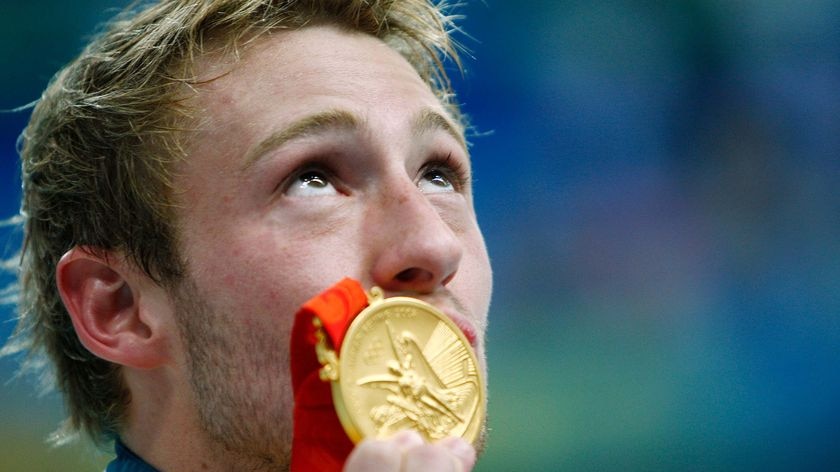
452, 168
314, 166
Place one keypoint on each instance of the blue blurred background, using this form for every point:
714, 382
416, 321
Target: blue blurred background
658, 186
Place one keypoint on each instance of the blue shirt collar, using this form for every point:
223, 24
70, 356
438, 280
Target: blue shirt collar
127, 460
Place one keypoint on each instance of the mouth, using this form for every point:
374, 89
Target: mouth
452, 309
465, 327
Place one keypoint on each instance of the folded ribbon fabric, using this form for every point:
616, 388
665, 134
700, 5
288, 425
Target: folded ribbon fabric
319, 441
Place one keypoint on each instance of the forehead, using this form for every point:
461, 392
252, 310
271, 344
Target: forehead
301, 70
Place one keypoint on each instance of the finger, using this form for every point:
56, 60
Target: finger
407, 439
462, 449
382, 454
373, 454
431, 457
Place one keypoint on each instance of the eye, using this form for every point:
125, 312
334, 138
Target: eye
443, 176
435, 181
311, 183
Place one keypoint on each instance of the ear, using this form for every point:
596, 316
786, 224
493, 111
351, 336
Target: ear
111, 305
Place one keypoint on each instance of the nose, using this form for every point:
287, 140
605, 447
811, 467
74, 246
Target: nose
416, 249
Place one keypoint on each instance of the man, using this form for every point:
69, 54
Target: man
204, 168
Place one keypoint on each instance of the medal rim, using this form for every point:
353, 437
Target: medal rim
471, 433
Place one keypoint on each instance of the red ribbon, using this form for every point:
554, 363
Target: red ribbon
319, 441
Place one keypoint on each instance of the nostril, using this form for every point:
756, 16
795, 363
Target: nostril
448, 279
414, 274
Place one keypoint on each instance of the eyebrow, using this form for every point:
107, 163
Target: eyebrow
430, 120
424, 121
306, 126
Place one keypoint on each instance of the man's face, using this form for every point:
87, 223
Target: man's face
321, 155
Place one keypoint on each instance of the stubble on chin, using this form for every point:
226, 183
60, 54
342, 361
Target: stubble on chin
240, 383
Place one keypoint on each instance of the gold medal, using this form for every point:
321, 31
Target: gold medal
404, 365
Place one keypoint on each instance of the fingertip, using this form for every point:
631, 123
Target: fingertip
461, 449
372, 454
431, 457
407, 439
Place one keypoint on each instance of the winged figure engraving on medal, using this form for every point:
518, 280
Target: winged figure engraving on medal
432, 388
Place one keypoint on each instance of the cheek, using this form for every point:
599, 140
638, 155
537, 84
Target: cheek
475, 275
242, 277
267, 274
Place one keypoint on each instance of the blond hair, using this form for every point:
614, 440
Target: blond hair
97, 157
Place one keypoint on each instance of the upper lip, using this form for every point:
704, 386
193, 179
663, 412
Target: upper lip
449, 305
460, 320
465, 326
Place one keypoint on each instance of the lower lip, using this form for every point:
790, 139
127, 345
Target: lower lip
468, 333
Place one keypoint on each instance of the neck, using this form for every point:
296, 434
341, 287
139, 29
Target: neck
163, 428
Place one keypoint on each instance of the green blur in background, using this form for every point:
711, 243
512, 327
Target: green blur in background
657, 184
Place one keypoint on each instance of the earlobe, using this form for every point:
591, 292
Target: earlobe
105, 297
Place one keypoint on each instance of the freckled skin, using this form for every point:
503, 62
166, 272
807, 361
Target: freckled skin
256, 252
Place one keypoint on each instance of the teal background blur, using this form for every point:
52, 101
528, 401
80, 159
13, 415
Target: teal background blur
658, 186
